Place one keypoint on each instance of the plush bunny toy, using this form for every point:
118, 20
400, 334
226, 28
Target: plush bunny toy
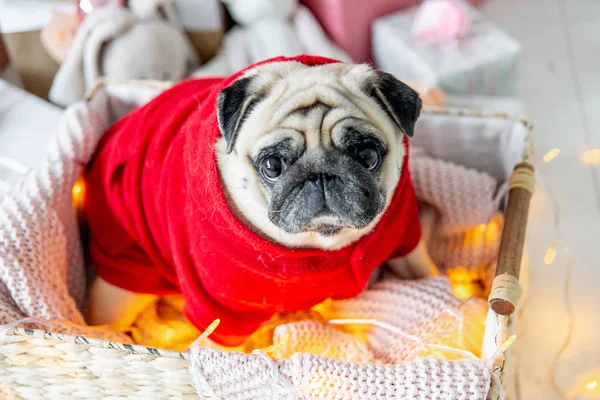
140, 42
267, 29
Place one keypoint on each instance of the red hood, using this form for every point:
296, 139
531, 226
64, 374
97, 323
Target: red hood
177, 233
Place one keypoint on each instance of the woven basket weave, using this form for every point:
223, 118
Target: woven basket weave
38, 364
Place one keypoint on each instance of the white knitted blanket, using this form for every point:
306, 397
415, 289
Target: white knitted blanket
306, 376
42, 274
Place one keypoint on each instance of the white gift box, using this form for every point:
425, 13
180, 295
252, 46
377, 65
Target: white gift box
482, 63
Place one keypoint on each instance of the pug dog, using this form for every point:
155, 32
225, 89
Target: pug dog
309, 157
345, 151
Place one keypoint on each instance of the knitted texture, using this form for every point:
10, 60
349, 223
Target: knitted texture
425, 311
42, 275
462, 196
475, 248
310, 357
321, 339
42, 269
240, 376
459, 215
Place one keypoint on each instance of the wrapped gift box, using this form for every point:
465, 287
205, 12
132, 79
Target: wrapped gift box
482, 63
348, 22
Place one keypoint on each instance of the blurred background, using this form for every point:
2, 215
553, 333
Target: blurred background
537, 58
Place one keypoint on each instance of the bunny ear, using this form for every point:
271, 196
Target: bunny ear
73, 77
115, 22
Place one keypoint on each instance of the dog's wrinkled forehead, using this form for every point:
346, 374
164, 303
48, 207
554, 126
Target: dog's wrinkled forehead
297, 86
286, 86
282, 75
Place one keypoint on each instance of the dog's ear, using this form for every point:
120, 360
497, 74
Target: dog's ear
397, 99
234, 104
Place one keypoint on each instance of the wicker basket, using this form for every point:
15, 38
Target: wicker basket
38, 364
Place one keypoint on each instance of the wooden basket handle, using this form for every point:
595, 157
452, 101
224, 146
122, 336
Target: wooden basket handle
506, 291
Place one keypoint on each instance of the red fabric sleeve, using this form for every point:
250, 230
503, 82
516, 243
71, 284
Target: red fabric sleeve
129, 242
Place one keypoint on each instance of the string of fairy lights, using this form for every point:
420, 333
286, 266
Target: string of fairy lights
589, 386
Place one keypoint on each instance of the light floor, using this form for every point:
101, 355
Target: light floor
559, 82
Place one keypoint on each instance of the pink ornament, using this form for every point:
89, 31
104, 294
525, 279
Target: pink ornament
440, 21
59, 33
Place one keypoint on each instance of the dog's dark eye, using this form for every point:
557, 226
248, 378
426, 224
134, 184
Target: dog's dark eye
368, 156
271, 167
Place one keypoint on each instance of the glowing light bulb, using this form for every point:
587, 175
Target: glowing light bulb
591, 157
276, 349
169, 333
77, 189
78, 193
463, 290
591, 385
510, 341
19, 360
465, 283
550, 253
492, 230
551, 155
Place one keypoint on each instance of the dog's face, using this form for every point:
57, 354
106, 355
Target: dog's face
311, 156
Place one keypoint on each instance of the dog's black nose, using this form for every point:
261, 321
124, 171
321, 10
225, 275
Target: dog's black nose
322, 180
